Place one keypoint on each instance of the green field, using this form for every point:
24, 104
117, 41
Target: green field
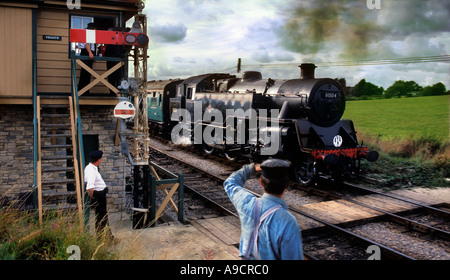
401, 118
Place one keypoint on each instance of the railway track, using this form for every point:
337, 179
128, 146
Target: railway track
330, 240
202, 184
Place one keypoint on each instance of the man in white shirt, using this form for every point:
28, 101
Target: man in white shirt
87, 49
96, 189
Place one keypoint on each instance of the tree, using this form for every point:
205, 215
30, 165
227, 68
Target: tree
401, 88
436, 89
343, 83
364, 88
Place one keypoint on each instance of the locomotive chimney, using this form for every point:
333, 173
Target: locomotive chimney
307, 71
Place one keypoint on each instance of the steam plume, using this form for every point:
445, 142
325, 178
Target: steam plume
350, 27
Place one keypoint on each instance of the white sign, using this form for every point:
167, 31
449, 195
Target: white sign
124, 110
337, 141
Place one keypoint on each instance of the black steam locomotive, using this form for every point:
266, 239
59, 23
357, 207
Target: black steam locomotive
298, 120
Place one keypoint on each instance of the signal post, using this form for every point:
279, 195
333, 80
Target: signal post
146, 179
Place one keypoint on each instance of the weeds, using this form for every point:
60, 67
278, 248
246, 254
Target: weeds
22, 238
421, 162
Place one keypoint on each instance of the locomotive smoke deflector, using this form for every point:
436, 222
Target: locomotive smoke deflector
307, 71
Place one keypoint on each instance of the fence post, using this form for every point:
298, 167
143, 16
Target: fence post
181, 198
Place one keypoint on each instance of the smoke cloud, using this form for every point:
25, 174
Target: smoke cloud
350, 28
171, 33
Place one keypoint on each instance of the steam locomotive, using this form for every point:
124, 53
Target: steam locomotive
298, 120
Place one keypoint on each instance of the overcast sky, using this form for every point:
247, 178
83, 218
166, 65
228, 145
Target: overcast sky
192, 37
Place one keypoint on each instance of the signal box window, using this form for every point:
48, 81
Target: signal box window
79, 22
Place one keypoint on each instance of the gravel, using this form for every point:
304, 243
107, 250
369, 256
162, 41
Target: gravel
417, 245
216, 168
414, 244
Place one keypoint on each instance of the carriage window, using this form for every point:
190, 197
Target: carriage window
153, 102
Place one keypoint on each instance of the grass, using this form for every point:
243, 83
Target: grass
412, 137
401, 118
21, 237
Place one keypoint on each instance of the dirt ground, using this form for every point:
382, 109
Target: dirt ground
166, 242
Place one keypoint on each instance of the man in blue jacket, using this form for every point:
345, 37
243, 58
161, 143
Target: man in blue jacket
268, 230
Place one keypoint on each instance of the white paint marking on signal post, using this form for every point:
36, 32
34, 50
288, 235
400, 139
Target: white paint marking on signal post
124, 110
90, 36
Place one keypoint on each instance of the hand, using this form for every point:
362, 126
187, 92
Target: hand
91, 56
258, 167
90, 192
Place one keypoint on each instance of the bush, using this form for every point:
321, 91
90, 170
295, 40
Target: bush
401, 88
436, 89
364, 88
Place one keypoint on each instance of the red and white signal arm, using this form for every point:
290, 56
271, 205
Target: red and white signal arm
108, 37
124, 110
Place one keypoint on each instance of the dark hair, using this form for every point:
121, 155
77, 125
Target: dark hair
95, 155
274, 186
93, 159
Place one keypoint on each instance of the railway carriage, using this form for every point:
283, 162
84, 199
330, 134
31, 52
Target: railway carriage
158, 100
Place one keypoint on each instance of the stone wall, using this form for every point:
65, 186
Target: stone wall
100, 120
16, 150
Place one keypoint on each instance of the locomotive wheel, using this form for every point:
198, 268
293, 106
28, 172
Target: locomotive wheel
304, 174
231, 156
207, 149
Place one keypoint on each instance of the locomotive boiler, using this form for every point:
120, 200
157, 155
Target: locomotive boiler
299, 120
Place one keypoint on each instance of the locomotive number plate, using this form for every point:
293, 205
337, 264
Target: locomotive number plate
330, 94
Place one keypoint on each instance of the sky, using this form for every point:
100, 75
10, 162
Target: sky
193, 37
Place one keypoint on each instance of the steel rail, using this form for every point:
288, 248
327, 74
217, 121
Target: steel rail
340, 230
431, 209
394, 217
192, 189
361, 239
389, 251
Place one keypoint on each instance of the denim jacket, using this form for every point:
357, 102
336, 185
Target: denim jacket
279, 235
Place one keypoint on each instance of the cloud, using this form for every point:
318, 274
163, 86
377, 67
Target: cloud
168, 33
262, 56
354, 31
178, 59
283, 56
192, 37
406, 17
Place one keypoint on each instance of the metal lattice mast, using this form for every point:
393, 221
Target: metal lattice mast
141, 139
